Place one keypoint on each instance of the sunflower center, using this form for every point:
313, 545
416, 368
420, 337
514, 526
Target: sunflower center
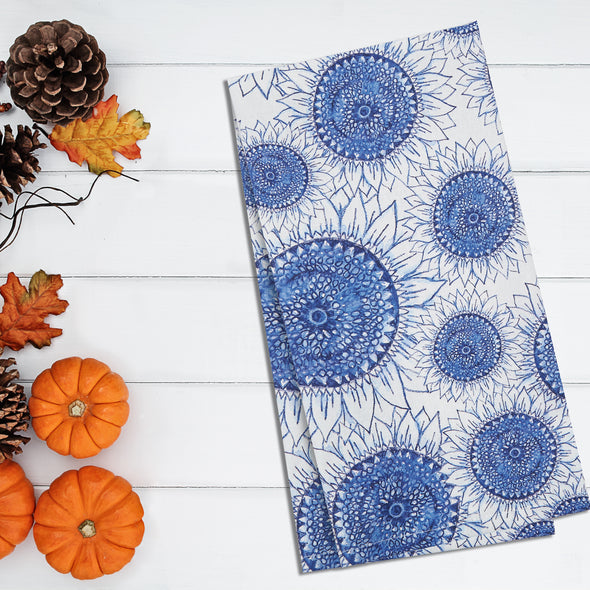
76, 408
396, 509
364, 111
318, 316
87, 529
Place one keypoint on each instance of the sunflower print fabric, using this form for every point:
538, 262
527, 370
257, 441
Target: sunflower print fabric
420, 400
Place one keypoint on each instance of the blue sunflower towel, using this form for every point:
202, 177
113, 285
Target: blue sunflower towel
419, 396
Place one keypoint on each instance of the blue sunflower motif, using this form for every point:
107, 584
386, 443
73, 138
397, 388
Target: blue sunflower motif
395, 503
572, 498
283, 176
511, 456
460, 42
340, 309
476, 80
465, 219
266, 82
468, 346
376, 112
283, 372
317, 542
365, 106
541, 528
539, 367
349, 302
572, 505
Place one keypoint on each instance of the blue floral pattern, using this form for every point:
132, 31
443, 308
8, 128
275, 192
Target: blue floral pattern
340, 307
314, 528
420, 400
466, 221
539, 363
365, 106
467, 346
393, 504
536, 529
513, 455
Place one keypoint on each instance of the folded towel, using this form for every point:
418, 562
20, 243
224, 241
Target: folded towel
420, 400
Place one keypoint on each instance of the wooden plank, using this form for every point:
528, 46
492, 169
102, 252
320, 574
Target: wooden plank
194, 225
211, 435
184, 435
211, 329
219, 539
263, 31
542, 124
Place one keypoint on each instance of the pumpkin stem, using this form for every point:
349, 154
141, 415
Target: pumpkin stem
87, 529
76, 408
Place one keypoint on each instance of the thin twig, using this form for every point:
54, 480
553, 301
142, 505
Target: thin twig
18, 212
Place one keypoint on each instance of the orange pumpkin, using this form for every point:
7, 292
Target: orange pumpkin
88, 523
17, 503
78, 406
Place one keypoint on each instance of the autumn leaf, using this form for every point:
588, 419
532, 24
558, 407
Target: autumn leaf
22, 317
94, 141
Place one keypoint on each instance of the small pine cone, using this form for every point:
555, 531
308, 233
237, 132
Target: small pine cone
2, 69
56, 72
18, 165
14, 411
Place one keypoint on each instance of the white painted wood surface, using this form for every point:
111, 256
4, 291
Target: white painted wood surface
160, 281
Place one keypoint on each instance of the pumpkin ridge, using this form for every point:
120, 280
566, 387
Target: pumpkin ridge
40, 399
82, 499
102, 419
65, 540
83, 491
10, 486
92, 439
56, 383
59, 549
108, 372
95, 549
106, 535
35, 393
114, 506
8, 490
64, 508
45, 416
99, 381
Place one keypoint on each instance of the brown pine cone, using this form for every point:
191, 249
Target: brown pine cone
14, 411
56, 72
18, 165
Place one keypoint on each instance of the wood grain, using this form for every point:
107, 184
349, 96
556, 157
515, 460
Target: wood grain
160, 280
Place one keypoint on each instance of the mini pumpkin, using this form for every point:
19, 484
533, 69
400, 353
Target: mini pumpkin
88, 523
78, 406
17, 503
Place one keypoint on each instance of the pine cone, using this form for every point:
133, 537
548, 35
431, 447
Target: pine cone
18, 165
5, 106
56, 72
14, 411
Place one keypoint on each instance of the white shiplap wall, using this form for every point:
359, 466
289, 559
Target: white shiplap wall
160, 281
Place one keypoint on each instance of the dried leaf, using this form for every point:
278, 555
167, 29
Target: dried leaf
94, 141
22, 317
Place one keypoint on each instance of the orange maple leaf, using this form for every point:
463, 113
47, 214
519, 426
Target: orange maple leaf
94, 141
23, 314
